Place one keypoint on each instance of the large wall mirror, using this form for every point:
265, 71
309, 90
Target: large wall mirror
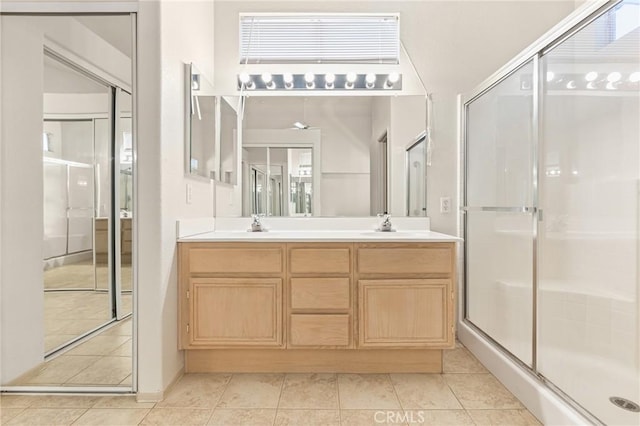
333, 155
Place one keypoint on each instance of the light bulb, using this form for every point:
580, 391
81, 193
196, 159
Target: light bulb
634, 77
393, 77
550, 75
309, 77
330, 78
591, 85
267, 77
287, 77
244, 78
370, 78
571, 85
351, 77
592, 75
614, 76
611, 86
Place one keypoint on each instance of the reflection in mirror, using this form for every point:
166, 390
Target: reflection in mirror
200, 133
278, 181
228, 139
355, 153
416, 183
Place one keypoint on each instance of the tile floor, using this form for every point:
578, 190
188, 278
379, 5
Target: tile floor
69, 314
466, 394
103, 360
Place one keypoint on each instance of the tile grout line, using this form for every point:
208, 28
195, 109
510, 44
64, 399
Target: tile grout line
284, 378
215, 406
338, 396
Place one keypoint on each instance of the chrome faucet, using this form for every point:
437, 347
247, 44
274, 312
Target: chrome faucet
385, 225
256, 225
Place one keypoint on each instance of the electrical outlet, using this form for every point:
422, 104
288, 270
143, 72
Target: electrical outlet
189, 193
445, 204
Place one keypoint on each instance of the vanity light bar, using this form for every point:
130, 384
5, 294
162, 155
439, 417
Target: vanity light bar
324, 82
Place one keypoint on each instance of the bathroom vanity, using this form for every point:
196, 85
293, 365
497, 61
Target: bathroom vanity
316, 301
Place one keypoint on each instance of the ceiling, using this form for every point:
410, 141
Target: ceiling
115, 29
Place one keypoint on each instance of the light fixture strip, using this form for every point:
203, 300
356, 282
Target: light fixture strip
310, 81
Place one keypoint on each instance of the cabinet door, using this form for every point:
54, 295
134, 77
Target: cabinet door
235, 312
405, 312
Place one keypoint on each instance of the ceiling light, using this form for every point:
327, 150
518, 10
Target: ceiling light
614, 76
329, 79
310, 78
244, 78
370, 79
634, 77
571, 85
301, 126
288, 80
550, 75
592, 75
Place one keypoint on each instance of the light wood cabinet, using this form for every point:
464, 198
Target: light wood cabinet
360, 307
405, 313
235, 311
406, 295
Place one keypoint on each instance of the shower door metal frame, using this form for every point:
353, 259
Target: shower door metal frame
573, 24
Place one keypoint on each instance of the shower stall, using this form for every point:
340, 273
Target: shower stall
551, 212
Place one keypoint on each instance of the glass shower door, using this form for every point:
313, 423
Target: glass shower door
589, 193
500, 213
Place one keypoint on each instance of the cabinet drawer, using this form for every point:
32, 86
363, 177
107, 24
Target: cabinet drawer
405, 260
229, 260
320, 260
320, 293
102, 224
319, 330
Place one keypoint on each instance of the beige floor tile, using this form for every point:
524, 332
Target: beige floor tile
252, 391
502, 418
112, 416
61, 369
196, 391
439, 417
124, 401
7, 414
53, 341
366, 391
243, 417
307, 418
125, 328
47, 416
530, 418
105, 371
127, 380
318, 391
481, 391
178, 416
426, 391
460, 360
99, 345
372, 417
64, 401
124, 349
15, 401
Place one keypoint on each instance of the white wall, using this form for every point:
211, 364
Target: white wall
169, 34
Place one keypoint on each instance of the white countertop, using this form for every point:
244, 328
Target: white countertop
319, 236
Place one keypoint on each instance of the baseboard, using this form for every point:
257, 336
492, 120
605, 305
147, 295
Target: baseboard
541, 401
159, 396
